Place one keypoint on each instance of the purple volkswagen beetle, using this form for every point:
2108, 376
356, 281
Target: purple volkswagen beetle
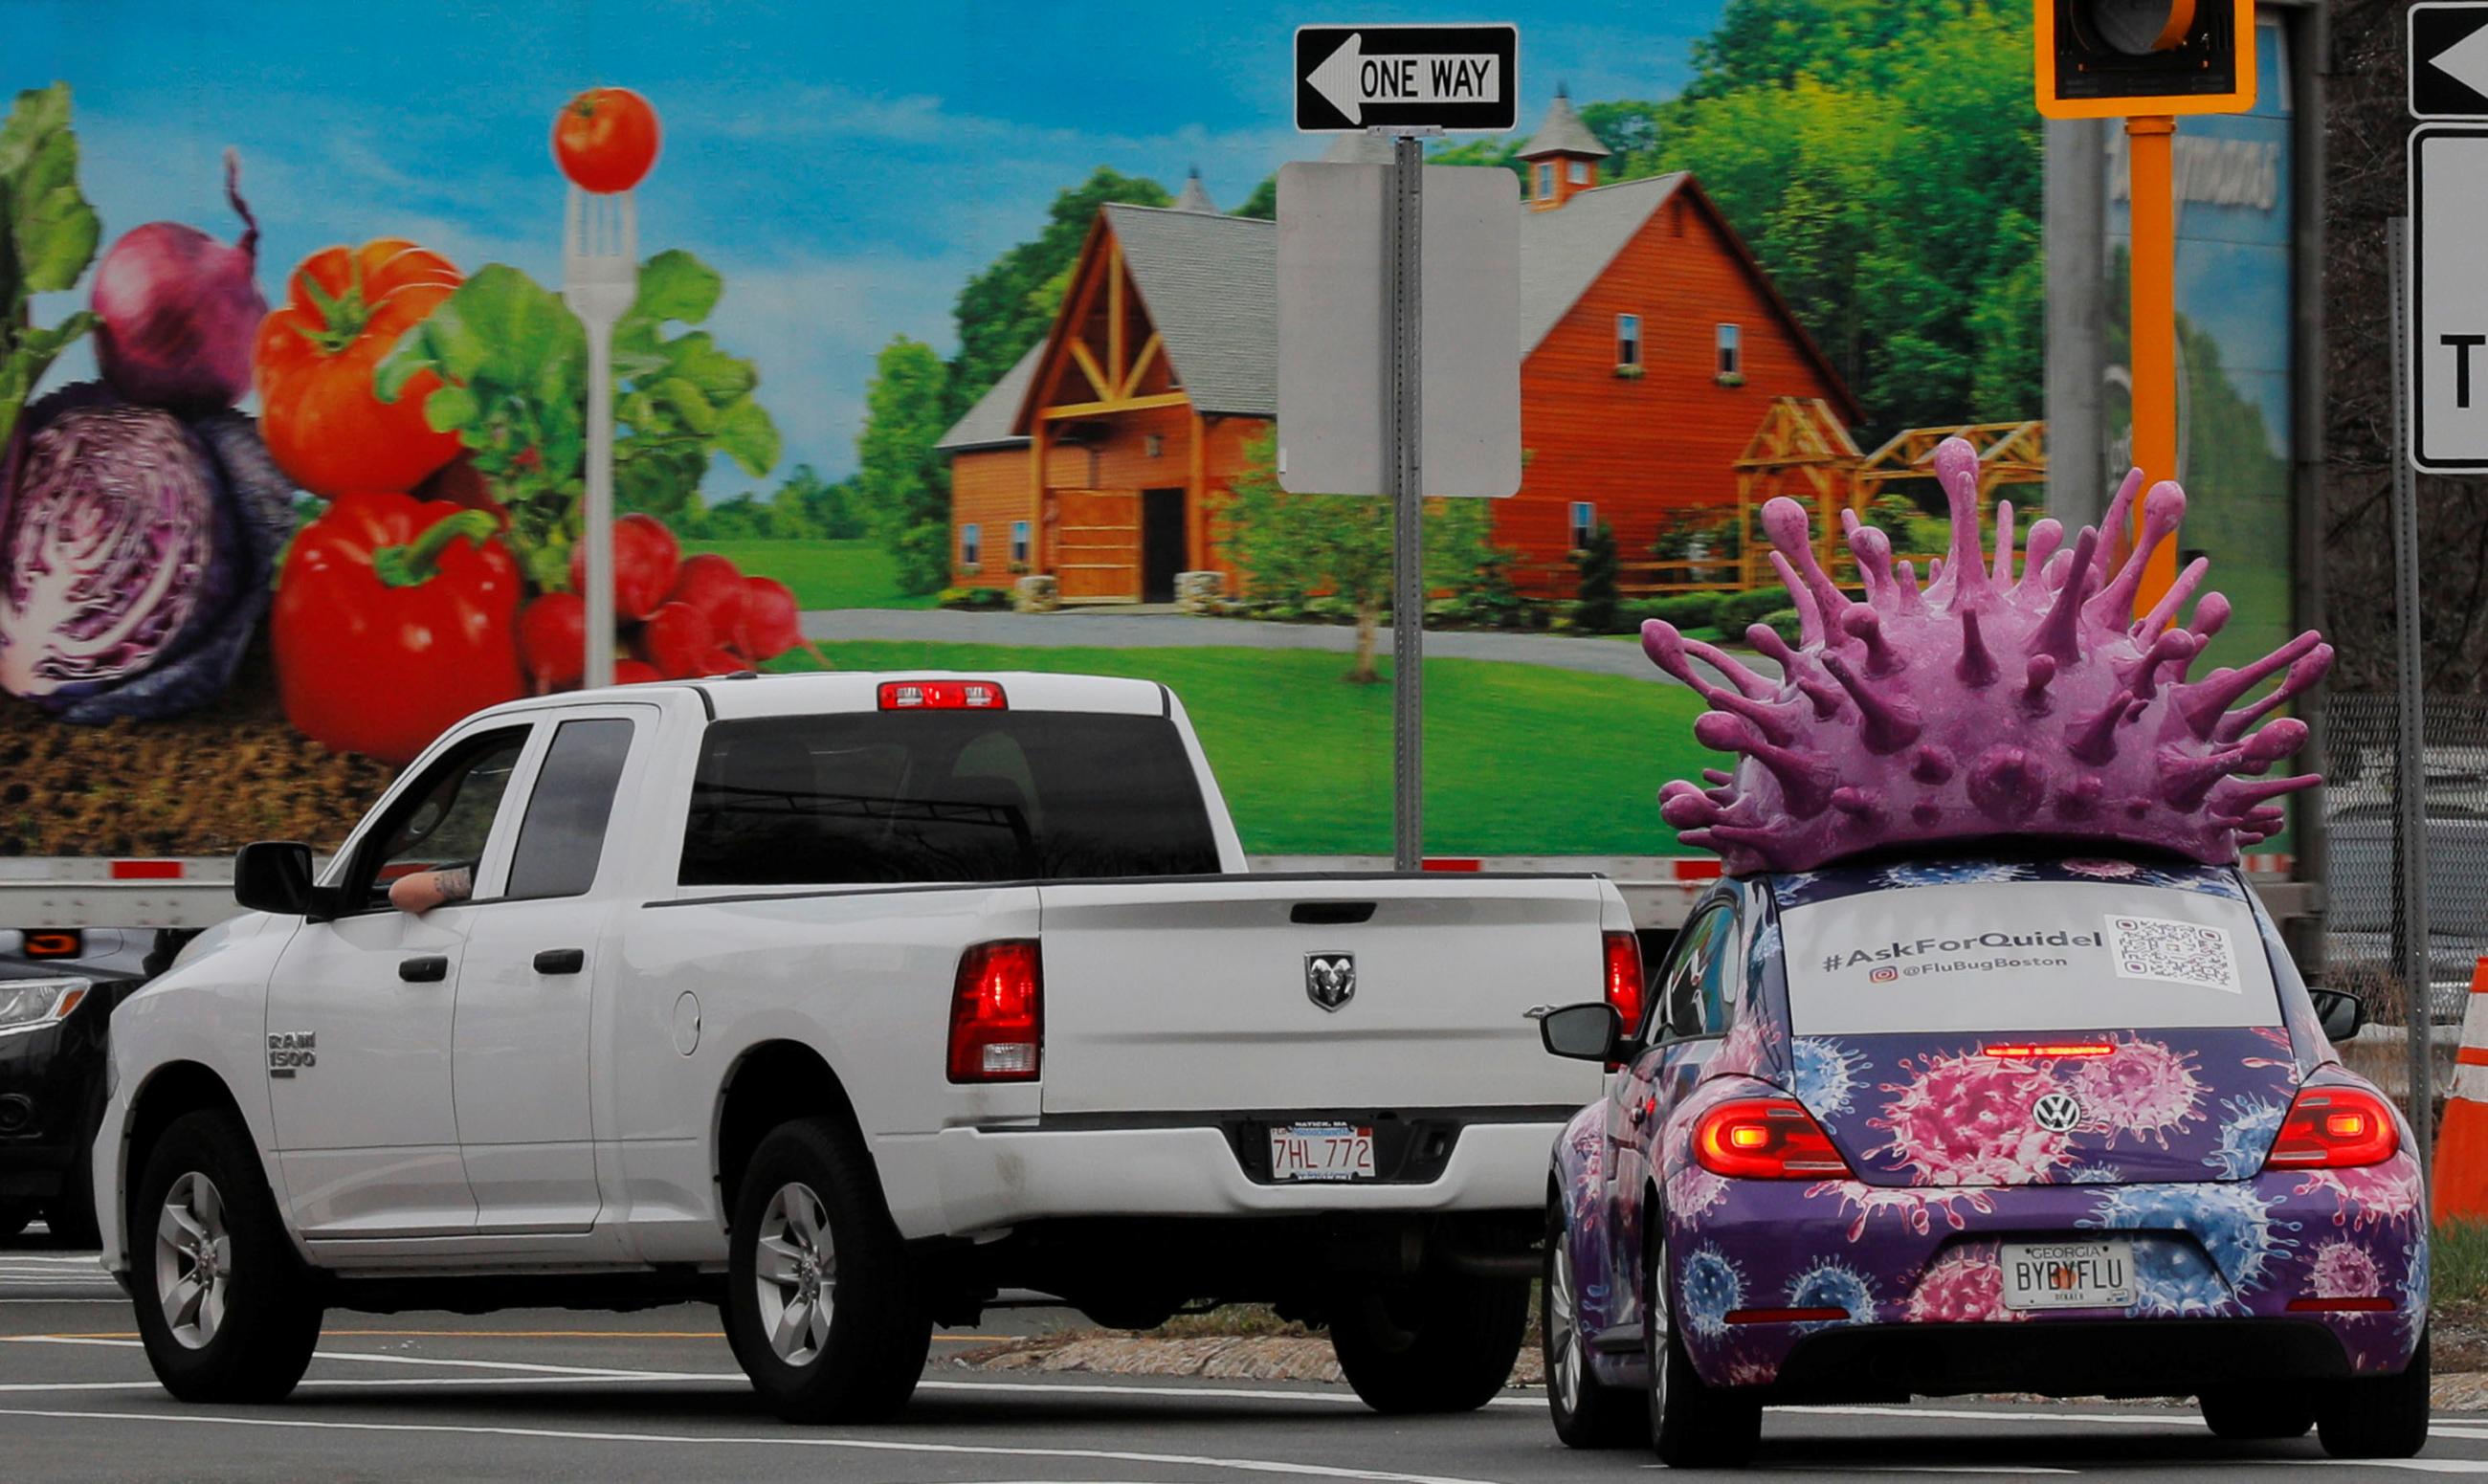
2069, 1126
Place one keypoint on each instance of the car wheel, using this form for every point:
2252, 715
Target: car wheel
1693, 1424
13, 1216
2377, 1417
1587, 1412
1442, 1343
2252, 1414
225, 1309
821, 1308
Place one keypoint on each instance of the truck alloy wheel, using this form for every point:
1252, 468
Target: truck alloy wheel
193, 1261
821, 1304
795, 1274
225, 1309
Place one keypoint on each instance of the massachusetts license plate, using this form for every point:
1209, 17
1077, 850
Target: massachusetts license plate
1321, 1151
2068, 1274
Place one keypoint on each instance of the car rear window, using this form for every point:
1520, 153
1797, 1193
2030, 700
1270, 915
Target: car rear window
894, 798
2021, 949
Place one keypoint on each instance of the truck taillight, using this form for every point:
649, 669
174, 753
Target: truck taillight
2333, 1127
943, 695
1766, 1138
998, 1013
1624, 978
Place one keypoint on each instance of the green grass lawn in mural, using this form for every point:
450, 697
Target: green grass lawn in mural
823, 573
1520, 758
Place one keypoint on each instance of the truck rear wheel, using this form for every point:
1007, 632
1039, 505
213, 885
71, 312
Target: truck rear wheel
820, 1307
224, 1307
1434, 1344
13, 1216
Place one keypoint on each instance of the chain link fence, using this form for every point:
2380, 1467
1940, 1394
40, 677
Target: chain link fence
2366, 913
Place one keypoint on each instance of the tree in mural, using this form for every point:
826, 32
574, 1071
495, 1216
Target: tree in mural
1294, 548
899, 478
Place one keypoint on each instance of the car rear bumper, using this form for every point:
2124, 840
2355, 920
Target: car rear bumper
996, 1178
2073, 1357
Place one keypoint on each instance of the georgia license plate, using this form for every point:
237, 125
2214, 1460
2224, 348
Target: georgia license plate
2068, 1274
1321, 1151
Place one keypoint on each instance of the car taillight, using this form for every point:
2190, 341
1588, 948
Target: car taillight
2335, 1128
1624, 978
1766, 1138
943, 695
998, 1013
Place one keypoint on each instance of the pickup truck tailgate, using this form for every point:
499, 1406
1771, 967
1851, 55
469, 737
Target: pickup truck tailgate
1189, 995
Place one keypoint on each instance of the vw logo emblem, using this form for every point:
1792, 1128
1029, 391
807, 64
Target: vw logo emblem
2058, 1112
1330, 979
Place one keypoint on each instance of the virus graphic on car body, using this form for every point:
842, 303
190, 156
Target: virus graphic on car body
1828, 1075
1914, 1206
2172, 1278
2341, 1269
1832, 1284
1994, 700
1966, 1120
2103, 870
2247, 1133
2367, 1196
2415, 1284
2237, 1230
1965, 1286
1692, 1190
1951, 873
1709, 1285
2146, 1089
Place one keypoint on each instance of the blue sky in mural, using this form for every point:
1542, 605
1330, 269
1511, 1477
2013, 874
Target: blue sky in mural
845, 166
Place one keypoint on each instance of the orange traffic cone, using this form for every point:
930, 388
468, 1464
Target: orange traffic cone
2461, 1192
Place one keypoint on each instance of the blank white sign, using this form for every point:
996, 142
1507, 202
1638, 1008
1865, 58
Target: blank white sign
1335, 330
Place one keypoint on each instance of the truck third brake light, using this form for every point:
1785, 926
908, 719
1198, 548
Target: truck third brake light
943, 695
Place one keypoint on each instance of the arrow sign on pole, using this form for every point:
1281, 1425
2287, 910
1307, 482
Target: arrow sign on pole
1410, 77
2449, 60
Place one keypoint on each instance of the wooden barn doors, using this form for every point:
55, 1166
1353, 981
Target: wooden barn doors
1098, 546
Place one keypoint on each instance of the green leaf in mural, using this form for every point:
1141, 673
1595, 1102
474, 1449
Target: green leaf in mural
48, 235
745, 435
674, 285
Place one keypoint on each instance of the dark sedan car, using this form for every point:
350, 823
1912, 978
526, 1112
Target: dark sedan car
53, 1011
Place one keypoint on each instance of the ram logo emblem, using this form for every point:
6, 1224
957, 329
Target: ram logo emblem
1330, 979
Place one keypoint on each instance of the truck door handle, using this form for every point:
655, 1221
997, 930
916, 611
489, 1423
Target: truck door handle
562, 961
431, 968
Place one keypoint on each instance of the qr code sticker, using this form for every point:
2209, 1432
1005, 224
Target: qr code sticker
2178, 952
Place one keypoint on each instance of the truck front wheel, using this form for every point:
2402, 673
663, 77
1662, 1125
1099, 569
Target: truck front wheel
225, 1309
1435, 1344
820, 1307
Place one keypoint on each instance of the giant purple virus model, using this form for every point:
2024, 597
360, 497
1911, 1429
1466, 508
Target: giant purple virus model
1985, 704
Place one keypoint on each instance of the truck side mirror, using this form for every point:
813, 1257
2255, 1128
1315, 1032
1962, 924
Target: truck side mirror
274, 875
1583, 1032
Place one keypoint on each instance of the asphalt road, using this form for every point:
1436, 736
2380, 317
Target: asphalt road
552, 1395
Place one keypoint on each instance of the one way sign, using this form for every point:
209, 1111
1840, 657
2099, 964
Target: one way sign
1419, 77
2449, 60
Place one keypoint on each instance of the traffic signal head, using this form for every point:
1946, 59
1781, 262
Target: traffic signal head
2110, 59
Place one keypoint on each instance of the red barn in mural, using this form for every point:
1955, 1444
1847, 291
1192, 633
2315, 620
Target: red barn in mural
1652, 345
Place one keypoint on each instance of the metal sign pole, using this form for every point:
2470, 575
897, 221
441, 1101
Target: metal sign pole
2410, 777
1406, 221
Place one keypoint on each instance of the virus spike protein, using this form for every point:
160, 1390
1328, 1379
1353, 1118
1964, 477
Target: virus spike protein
1890, 727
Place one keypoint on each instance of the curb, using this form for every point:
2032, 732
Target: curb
1309, 1358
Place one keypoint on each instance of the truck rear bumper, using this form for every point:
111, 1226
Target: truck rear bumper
998, 1178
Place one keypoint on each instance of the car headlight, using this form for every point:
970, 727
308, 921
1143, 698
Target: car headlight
30, 1004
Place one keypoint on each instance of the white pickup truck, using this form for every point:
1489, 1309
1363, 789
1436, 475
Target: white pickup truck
846, 1001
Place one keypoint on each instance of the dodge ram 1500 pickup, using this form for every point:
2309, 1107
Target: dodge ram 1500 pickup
846, 1001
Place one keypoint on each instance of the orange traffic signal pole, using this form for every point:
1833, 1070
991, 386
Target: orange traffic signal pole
2153, 331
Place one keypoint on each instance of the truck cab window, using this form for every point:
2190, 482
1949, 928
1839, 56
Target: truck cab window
944, 797
444, 821
562, 835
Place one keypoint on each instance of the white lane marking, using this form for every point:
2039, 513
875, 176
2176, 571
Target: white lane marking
194, 1419
123, 1303
2012, 1469
377, 1358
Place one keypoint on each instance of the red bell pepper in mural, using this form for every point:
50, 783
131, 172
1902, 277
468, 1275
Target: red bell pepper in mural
394, 617
344, 309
